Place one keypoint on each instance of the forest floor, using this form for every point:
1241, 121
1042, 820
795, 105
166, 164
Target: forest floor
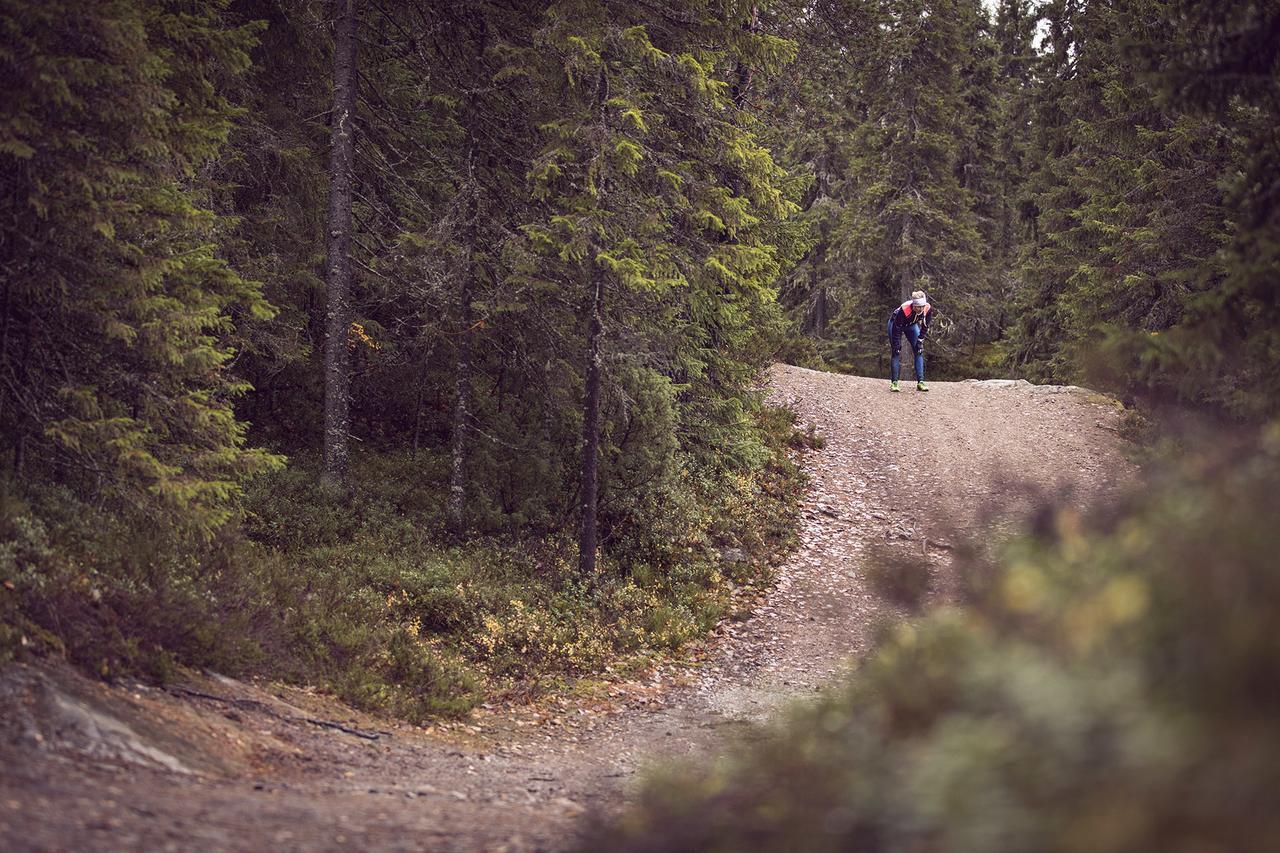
216, 764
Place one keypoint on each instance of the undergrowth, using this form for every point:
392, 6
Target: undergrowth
366, 597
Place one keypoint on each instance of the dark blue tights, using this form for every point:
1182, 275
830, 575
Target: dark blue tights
895, 347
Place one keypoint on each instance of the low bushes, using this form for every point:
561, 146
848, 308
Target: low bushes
367, 596
1112, 684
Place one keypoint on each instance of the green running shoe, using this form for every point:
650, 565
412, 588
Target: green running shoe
920, 386
893, 386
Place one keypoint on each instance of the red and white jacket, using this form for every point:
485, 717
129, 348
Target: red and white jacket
907, 314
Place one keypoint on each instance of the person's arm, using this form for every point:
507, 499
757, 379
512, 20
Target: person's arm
924, 323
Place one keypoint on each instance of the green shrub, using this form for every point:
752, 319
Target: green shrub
1111, 685
367, 596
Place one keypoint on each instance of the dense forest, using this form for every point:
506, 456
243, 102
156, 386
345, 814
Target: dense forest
414, 347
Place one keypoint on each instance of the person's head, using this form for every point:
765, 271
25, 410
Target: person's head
918, 299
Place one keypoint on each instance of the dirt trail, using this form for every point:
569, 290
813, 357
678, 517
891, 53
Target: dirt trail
85, 766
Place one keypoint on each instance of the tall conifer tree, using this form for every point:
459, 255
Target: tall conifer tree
115, 337
654, 200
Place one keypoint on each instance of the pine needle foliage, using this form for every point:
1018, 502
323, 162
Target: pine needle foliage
117, 308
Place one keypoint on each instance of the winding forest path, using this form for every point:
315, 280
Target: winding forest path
228, 765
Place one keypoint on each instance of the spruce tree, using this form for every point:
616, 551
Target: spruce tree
1137, 208
1220, 64
116, 331
1061, 98
909, 223
654, 201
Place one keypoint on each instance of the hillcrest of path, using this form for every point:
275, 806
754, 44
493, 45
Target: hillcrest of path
219, 764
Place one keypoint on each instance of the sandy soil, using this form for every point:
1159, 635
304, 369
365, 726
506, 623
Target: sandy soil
217, 764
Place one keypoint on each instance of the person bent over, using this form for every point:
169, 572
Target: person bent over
911, 318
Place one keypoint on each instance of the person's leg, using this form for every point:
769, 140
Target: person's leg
917, 347
895, 354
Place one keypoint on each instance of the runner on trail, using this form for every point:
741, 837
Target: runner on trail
911, 318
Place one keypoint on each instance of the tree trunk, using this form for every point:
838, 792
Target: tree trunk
417, 418
337, 356
906, 272
462, 405
591, 431
4, 392
4, 327
819, 291
31, 410
743, 72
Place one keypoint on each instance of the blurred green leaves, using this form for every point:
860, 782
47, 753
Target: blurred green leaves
1110, 684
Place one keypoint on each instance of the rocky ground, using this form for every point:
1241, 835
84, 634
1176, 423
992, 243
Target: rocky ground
224, 765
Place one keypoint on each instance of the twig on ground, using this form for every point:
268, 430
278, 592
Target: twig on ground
254, 704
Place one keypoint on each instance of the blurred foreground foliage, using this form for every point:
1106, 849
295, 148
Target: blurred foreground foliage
1110, 684
367, 597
